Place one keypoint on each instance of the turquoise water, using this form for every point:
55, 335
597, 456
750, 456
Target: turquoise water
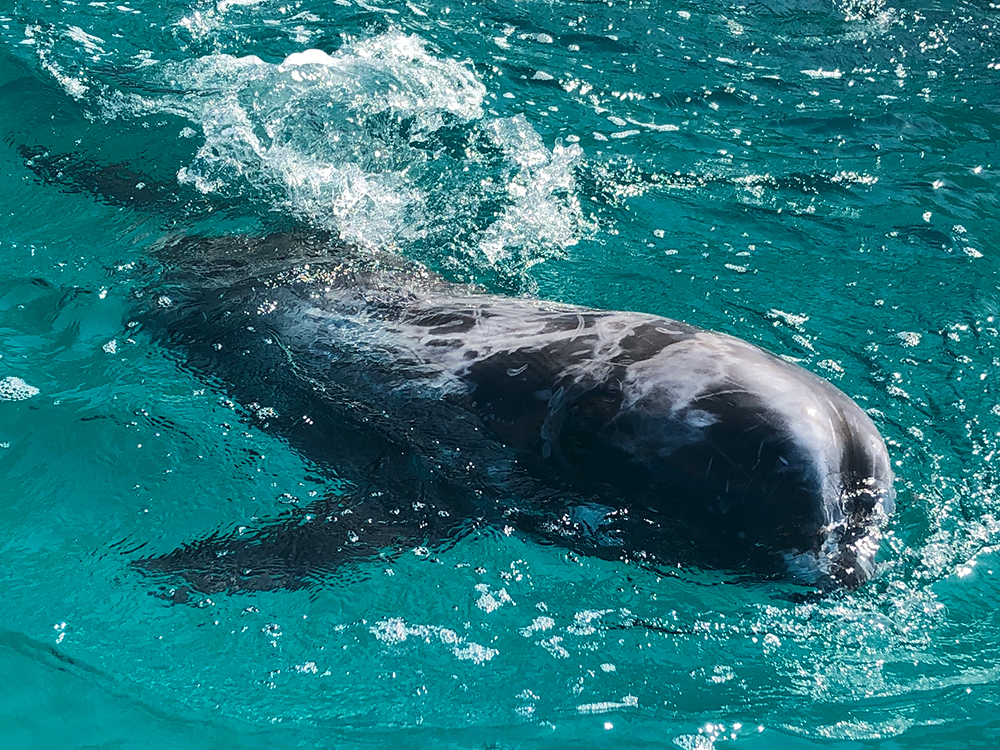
820, 178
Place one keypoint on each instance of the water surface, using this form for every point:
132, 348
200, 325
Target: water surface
820, 178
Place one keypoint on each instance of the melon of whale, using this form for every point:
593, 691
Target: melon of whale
440, 408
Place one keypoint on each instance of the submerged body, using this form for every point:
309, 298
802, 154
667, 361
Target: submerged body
617, 434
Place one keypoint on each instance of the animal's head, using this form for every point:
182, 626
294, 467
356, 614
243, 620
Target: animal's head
764, 464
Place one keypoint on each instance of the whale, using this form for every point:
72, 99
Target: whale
436, 409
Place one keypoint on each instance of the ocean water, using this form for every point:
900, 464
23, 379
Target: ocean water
819, 177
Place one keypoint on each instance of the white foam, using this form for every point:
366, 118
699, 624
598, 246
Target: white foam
44, 42
309, 57
628, 701
418, 82
337, 134
395, 630
384, 141
543, 213
491, 601
348, 140
15, 389
821, 73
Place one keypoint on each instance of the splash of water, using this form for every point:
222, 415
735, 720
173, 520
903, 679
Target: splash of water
383, 142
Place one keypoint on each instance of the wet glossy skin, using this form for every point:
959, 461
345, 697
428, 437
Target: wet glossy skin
618, 434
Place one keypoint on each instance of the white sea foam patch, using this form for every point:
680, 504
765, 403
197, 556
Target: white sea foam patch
821, 73
543, 210
395, 631
341, 139
45, 41
382, 142
627, 701
15, 389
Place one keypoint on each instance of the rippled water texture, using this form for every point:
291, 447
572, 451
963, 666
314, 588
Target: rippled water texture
820, 178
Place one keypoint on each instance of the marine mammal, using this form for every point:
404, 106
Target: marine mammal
618, 434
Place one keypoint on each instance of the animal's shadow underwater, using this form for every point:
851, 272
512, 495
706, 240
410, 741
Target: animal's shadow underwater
437, 408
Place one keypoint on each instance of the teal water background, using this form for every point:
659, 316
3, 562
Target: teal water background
818, 177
